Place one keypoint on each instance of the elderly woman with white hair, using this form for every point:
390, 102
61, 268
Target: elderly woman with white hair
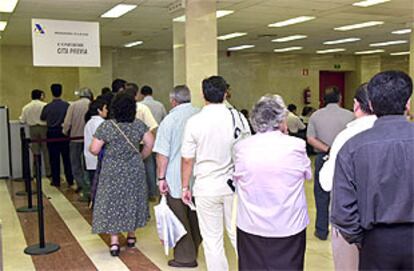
270, 170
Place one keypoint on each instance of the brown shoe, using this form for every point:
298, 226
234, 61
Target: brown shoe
174, 263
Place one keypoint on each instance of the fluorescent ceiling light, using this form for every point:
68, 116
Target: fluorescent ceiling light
134, 43
290, 38
3, 25
327, 51
282, 50
331, 42
388, 43
296, 20
368, 3
231, 36
357, 26
219, 14
241, 47
369, 52
400, 53
118, 10
180, 19
222, 13
8, 6
402, 31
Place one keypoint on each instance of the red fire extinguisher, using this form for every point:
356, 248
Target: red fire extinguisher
307, 96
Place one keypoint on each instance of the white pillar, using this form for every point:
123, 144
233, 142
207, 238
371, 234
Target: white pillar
200, 45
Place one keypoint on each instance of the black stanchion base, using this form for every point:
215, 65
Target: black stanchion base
37, 250
27, 209
24, 193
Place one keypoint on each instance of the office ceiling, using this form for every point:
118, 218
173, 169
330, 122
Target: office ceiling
152, 23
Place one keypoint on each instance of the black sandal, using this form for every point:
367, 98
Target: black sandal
131, 244
115, 252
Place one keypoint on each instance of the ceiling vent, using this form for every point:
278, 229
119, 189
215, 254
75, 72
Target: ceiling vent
176, 6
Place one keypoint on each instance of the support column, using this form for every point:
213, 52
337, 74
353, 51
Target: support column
200, 45
179, 53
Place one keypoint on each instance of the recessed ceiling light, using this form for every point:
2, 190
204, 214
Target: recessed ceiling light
8, 6
118, 10
402, 31
369, 52
368, 3
331, 42
219, 14
222, 13
231, 36
357, 26
3, 25
288, 49
241, 47
388, 43
290, 38
327, 51
296, 20
134, 43
400, 53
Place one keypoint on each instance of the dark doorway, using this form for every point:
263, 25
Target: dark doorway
328, 79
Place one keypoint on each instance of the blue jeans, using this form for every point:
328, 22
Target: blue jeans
322, 199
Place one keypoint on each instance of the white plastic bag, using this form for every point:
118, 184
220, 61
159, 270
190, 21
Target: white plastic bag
170, 229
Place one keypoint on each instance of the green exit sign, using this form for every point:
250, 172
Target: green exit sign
337, 66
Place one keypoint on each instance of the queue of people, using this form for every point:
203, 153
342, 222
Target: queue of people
363, 177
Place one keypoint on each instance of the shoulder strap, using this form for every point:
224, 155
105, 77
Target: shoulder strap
237, 130
126, 138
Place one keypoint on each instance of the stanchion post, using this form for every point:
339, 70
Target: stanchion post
26, 174
42, 248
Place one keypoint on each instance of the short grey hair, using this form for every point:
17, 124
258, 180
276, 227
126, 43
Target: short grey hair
181, 94
268, 113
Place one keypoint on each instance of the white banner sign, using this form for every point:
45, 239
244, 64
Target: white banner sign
59, 43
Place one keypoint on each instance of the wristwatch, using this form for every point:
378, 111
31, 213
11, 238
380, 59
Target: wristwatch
185, 188
161, 178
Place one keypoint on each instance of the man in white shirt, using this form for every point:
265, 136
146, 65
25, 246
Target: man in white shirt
346, 255
38, 130
293, 121
208, 140
156, 107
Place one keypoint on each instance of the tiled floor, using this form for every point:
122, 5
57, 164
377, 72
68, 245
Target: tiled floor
68, 223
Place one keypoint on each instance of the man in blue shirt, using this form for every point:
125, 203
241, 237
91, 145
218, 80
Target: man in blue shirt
54, 114
168, 149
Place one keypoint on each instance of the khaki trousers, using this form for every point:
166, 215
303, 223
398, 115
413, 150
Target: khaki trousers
214, 214
40, 132
346, 256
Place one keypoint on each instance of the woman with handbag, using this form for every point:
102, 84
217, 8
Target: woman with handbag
121, 196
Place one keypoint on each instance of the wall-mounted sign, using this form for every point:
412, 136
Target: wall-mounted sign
58, 43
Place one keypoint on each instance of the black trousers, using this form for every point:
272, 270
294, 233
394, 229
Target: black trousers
57, 150
388, 247
261, 253
322, 199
